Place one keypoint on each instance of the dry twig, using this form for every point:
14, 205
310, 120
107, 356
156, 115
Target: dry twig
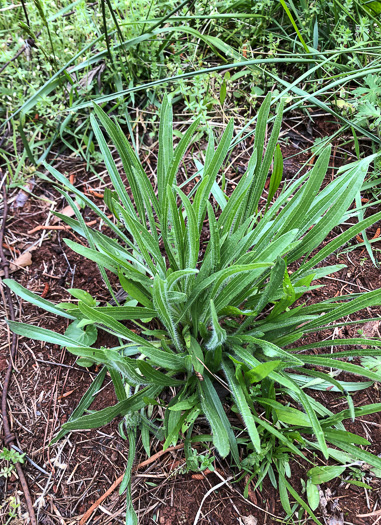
118, 481
42, 227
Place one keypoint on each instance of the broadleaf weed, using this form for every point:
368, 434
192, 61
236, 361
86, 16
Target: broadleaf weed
224, 321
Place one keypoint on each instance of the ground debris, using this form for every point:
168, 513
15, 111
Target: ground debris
249, 520
330, 508
23, 195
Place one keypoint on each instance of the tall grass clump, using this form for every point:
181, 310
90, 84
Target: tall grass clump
219, 324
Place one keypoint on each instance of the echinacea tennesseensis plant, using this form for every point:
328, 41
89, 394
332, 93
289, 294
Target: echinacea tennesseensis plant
225, 315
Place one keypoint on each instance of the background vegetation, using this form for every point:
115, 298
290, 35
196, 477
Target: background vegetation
214, 58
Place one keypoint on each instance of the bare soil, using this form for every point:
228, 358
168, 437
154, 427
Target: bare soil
47, 385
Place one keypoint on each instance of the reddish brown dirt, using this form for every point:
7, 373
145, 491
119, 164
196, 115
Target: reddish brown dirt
48, 385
